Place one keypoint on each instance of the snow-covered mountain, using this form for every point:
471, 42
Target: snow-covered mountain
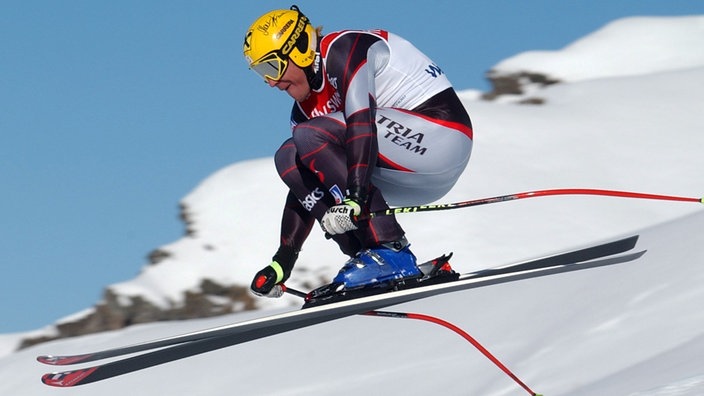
626, 116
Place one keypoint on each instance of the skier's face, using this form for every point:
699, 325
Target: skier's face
294, 82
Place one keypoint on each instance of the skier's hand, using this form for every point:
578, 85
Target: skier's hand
267, 282
341, 218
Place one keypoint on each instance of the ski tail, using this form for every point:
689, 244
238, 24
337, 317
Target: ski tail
575, 256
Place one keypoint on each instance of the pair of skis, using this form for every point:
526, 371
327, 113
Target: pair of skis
169, 349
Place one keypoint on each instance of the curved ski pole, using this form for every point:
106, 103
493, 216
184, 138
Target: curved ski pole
462, 333
529, 194
448, 325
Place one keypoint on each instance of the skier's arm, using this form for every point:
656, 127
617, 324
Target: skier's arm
349, 63
296, 224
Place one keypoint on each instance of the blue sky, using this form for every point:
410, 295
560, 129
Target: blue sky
114, 111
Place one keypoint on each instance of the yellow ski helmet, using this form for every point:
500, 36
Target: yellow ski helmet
277, 37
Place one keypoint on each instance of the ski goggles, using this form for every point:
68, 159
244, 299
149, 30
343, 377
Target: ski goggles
270, 66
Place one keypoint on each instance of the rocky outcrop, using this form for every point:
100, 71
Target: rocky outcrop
115, 312
520, 84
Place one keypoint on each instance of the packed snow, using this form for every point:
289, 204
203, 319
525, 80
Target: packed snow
628, 118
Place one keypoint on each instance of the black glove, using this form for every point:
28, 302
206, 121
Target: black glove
267, 282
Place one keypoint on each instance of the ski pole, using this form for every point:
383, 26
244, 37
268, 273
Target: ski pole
462, 333
438, 321
294, 292
529, 194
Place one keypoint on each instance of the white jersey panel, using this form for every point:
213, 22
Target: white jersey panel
407, 77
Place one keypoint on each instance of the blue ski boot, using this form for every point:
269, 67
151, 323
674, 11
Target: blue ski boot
384, 264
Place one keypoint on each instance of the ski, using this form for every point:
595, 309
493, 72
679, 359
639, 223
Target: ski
570, 257
190, 344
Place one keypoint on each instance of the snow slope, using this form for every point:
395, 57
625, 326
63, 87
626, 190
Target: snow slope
646, 44
633, 329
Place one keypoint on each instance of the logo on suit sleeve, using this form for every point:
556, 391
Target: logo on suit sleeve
434, 70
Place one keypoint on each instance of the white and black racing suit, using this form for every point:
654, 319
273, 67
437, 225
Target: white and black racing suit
382, 125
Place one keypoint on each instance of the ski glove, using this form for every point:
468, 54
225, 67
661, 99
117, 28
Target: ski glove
269, 281
341, 218
266, 283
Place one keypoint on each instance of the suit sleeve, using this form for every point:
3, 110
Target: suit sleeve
348, 64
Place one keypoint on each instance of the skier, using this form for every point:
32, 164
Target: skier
374, 122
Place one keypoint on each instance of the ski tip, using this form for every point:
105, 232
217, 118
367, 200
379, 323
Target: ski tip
67, 378
46, 359
62, 360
